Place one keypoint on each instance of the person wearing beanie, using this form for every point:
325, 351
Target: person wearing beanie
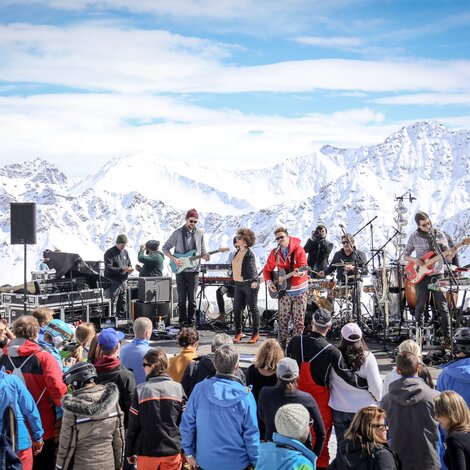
151, 258
186, 241
318, 250
287, 451
117, 267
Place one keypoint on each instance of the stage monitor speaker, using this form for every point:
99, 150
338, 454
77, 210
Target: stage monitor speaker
154, 289
23, 223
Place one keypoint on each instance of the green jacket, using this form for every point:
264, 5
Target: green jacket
152, 264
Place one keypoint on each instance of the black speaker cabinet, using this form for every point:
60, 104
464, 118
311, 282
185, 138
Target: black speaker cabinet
154, 289
23, 223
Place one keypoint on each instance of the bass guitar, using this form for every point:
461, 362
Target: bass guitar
415, 273
190, 259
280, 278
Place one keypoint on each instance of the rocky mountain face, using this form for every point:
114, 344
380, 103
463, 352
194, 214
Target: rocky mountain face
146, 197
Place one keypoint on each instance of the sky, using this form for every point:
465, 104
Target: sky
227, 83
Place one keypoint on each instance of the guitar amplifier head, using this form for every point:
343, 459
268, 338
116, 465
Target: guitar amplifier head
155, 289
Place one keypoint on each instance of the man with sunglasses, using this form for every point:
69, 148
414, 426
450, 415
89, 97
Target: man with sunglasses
183, 240
288, 256
423, 240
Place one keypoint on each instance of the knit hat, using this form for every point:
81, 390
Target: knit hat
293, 421
322, 317
192, 213
351, 332
109, 338
153, 245
287, 369
121, 238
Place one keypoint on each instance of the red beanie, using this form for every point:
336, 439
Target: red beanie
192, 213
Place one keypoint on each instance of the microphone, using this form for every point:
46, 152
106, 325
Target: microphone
341, 225
276, 251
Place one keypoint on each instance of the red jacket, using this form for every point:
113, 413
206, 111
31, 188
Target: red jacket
300, 259
42, 375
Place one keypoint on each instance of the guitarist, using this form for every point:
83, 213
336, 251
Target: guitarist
421, 242
289, 256
184, 239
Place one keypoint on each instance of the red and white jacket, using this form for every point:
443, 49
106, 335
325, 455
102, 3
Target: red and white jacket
276, 260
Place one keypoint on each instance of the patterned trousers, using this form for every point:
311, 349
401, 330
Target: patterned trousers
291, 306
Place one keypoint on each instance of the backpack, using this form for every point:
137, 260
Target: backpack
9, 441
19, 373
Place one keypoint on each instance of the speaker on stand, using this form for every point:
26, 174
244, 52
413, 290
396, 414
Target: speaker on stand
23, 232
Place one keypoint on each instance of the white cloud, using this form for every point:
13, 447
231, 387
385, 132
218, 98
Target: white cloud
113, 59
80, 132
335, 42
427, 99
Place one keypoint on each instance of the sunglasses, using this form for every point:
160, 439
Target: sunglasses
146, 365
383, 426
280, 238
192, 221
427, 224
238, 237
346, 243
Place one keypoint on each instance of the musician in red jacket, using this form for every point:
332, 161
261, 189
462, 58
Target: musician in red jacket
43, 378
425, 239
288, 256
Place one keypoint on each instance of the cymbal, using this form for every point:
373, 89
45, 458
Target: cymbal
341, 265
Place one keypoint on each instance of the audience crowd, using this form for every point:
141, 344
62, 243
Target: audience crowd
74, 399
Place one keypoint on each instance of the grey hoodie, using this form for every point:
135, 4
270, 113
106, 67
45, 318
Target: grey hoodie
413, 433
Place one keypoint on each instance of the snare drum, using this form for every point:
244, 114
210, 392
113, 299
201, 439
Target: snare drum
340, 291
328, 284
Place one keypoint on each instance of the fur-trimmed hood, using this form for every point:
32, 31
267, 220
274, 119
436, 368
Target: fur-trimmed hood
92, 401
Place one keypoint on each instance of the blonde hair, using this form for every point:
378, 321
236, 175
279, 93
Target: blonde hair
452, 406
410, 346
268, 355
84, 334
362, 428
95, 351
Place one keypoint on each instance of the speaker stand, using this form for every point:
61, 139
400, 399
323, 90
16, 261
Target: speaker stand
24, 282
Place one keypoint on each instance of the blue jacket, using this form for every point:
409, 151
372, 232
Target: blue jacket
13, 391
219, 426
132, 356
456, 376
285, 453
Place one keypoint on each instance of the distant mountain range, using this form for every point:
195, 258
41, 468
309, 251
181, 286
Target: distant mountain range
147, 197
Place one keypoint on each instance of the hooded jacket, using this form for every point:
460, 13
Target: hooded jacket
92, 434
297, 283
14, 392
285, 453
413, 433
351, 455
456, 376
42, 375
219, 426
201, 368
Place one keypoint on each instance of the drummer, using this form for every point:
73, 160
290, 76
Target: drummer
350, 265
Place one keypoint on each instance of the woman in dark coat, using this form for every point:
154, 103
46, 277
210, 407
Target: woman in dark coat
245, 276
365, 444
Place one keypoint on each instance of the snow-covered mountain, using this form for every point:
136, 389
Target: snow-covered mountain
147, 197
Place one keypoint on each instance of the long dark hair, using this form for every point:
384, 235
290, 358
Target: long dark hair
353, 353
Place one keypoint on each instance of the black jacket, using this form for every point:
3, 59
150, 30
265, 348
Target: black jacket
249, 271
114, 262
351, 455
202, 368
154, 418
318, 251
122, 377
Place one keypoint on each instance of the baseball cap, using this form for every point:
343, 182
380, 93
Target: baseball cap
293, 421
351, 332
109, 338
322, 317
287, 369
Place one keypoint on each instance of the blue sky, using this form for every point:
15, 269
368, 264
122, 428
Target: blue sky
224, 82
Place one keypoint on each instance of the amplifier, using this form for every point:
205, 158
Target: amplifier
155, 289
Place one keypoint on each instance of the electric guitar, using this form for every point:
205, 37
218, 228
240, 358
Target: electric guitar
415, 273
279, 279
190, 259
